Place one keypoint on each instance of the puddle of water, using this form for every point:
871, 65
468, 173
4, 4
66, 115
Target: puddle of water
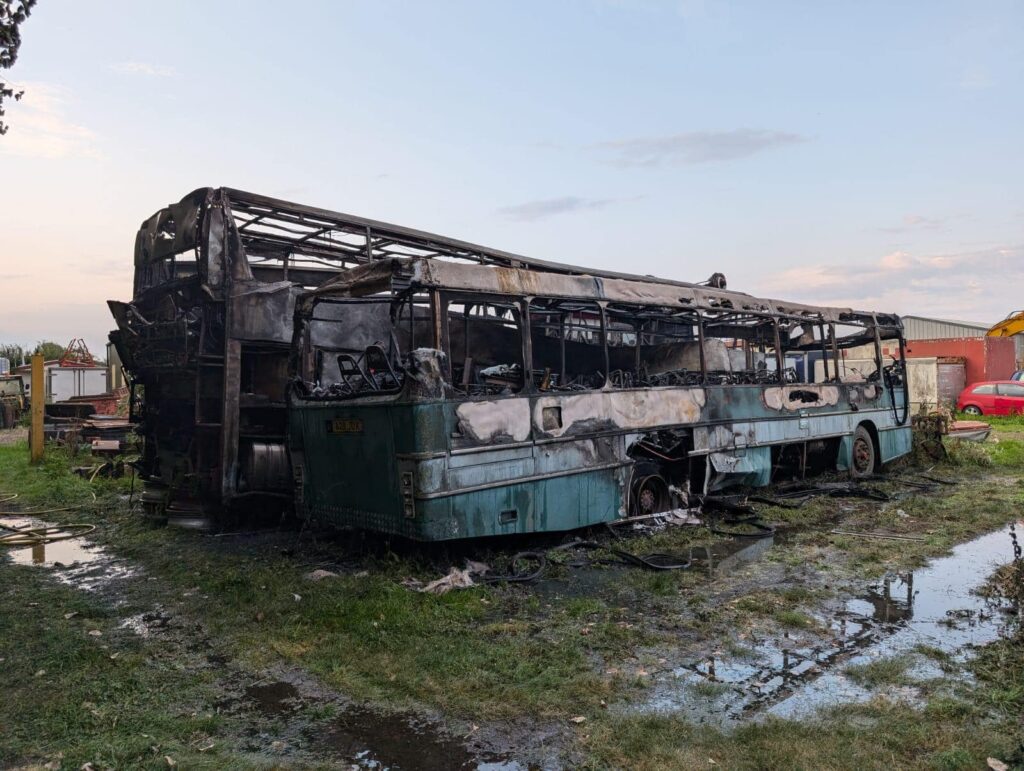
371, 740
75, 561
726, 557
585, 580
794, 676
362, 738
937, 606
274, 698
66, 553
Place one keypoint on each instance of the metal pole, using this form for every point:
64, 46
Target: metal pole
38, 394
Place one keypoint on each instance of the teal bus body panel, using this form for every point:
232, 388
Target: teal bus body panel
894, 443
353, 479
559, 503
440, 469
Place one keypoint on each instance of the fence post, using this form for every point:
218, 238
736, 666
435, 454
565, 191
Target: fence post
38, 395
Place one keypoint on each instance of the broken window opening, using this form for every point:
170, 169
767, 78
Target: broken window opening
359, 346
743, 348
806, 345
484, 345
653, 347
859, 353
567, 343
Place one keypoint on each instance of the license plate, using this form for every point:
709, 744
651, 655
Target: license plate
345, 426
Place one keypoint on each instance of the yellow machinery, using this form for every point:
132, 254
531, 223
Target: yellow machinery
1011, 325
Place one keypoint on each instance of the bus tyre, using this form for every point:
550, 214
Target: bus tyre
862, 462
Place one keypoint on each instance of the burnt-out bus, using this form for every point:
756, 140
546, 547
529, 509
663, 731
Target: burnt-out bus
442, 401
285, 357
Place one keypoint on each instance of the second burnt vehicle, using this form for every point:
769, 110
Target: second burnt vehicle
380, 377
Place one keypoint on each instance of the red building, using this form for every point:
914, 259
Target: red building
985, 358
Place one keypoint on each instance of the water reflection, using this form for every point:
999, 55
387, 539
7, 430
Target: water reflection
77, 561
893, 599
937, 606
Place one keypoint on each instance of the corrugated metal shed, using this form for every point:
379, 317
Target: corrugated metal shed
923, 328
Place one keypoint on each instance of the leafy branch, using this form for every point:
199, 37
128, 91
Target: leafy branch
12, 14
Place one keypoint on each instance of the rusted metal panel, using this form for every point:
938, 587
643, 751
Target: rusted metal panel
952, 379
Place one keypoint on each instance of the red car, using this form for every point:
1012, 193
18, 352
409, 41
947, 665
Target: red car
992, 397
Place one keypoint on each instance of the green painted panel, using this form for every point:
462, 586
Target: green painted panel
556, 504
349, 456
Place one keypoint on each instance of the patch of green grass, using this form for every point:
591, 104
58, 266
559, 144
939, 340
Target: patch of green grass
944, 661
793, 619
50, 483
875, 735
1003, 422
1007, 453
887, 671
707, 689
798, 594
480, 652
661, 583
1000, 666
65, 692
502, 651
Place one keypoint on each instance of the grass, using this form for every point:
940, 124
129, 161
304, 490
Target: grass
486, 653
67, 696
50, 483
1000, 666
476, 653
887, 671
879, 734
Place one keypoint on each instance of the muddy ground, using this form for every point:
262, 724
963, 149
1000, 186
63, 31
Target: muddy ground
862, 632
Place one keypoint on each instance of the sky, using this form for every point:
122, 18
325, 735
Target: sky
864, 154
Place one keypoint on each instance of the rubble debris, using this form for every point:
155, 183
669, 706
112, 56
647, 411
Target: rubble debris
320, 575
455, 579
889, 536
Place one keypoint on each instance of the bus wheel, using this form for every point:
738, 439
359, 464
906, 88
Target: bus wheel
862, 464
650, 495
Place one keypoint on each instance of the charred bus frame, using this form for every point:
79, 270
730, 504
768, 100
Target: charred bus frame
442, 401
208, 336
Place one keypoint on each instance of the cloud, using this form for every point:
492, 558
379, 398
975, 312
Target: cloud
979, 285
894, 261
913, 222
39, 128
975, 78
549, 207
695, 147
143, 68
